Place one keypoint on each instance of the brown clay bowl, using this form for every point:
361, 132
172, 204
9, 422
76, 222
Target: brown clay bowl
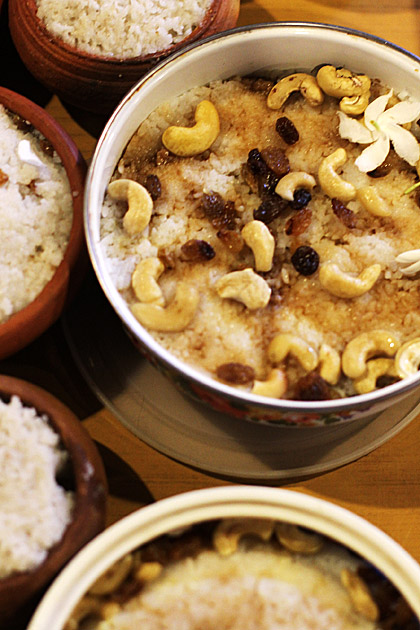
27, 324
90, 82
88, 481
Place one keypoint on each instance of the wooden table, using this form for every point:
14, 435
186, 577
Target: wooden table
383, 486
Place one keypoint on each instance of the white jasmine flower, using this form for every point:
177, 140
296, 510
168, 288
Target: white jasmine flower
379, 128
411, 259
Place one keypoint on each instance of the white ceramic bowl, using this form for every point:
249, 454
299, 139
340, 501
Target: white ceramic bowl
264, 50
230, 501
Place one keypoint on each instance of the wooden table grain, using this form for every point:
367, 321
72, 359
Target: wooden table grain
383, 486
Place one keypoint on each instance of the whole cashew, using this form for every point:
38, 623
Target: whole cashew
140, 204
359, 594
407, 359
304, 83
364, 346
331, 183
330, 364
292, 181
374, 369
259, 238
144, 280
298, 540
284, 343
229, 531
245, 286
175, 317
188, 141
274, 387
372, 201
353, 89
343, 285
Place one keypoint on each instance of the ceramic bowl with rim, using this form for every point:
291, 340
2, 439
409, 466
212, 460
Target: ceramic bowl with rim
184, 510
92, 82
86, 479
263, 50
27, 324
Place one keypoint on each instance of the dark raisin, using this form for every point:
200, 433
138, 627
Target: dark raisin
231, 239
312, 387
301, 198
256, 162
258, 84
276, 160
21, 123
299, 223
305, 260
346, 216
46, 147
195, 250
167, 258
235, 373
153, 186
287, 130
221, 213
266, 179
271, 207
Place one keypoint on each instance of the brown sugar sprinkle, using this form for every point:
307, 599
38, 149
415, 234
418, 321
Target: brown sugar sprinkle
236, 373
3, 178
299, 223
346, 216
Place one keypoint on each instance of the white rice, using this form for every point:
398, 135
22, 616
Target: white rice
34, 509
36, 213
121, 28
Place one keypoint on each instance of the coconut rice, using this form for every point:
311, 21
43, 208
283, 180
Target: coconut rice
34, 509
223, 331
123, 29
36, 213
222, 576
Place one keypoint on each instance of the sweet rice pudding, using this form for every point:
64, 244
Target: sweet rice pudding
241, 574
267, 232
36, 213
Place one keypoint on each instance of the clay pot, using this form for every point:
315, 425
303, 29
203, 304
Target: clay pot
88, 482
27, 324
87, 81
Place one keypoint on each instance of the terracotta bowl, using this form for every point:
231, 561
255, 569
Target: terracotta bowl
87, 480
182, 511
87, 81
27, 324
265, 50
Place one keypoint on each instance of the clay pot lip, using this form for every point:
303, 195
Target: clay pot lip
90, 490
76, 168
55, 43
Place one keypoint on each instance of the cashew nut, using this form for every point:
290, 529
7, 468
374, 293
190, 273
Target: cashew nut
331, 183
364, 346
148, 571
87, 606
285, 343
259, 238
245, 286
304, 83
140, 204
344, 285
144, 280
174, 317
352, 89
292, 181
359, 594
298, 540
274, 387
372, 201
374, 369
113, 577
188, 141
228, 532
330, 364
407, 359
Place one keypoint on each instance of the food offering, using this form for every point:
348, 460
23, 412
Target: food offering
242, 573
265, 232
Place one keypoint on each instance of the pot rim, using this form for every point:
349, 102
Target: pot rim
163, 68
195, 506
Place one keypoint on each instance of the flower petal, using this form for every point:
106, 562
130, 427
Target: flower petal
375, 109
373, 156
405, 144
401, 113
353, 130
